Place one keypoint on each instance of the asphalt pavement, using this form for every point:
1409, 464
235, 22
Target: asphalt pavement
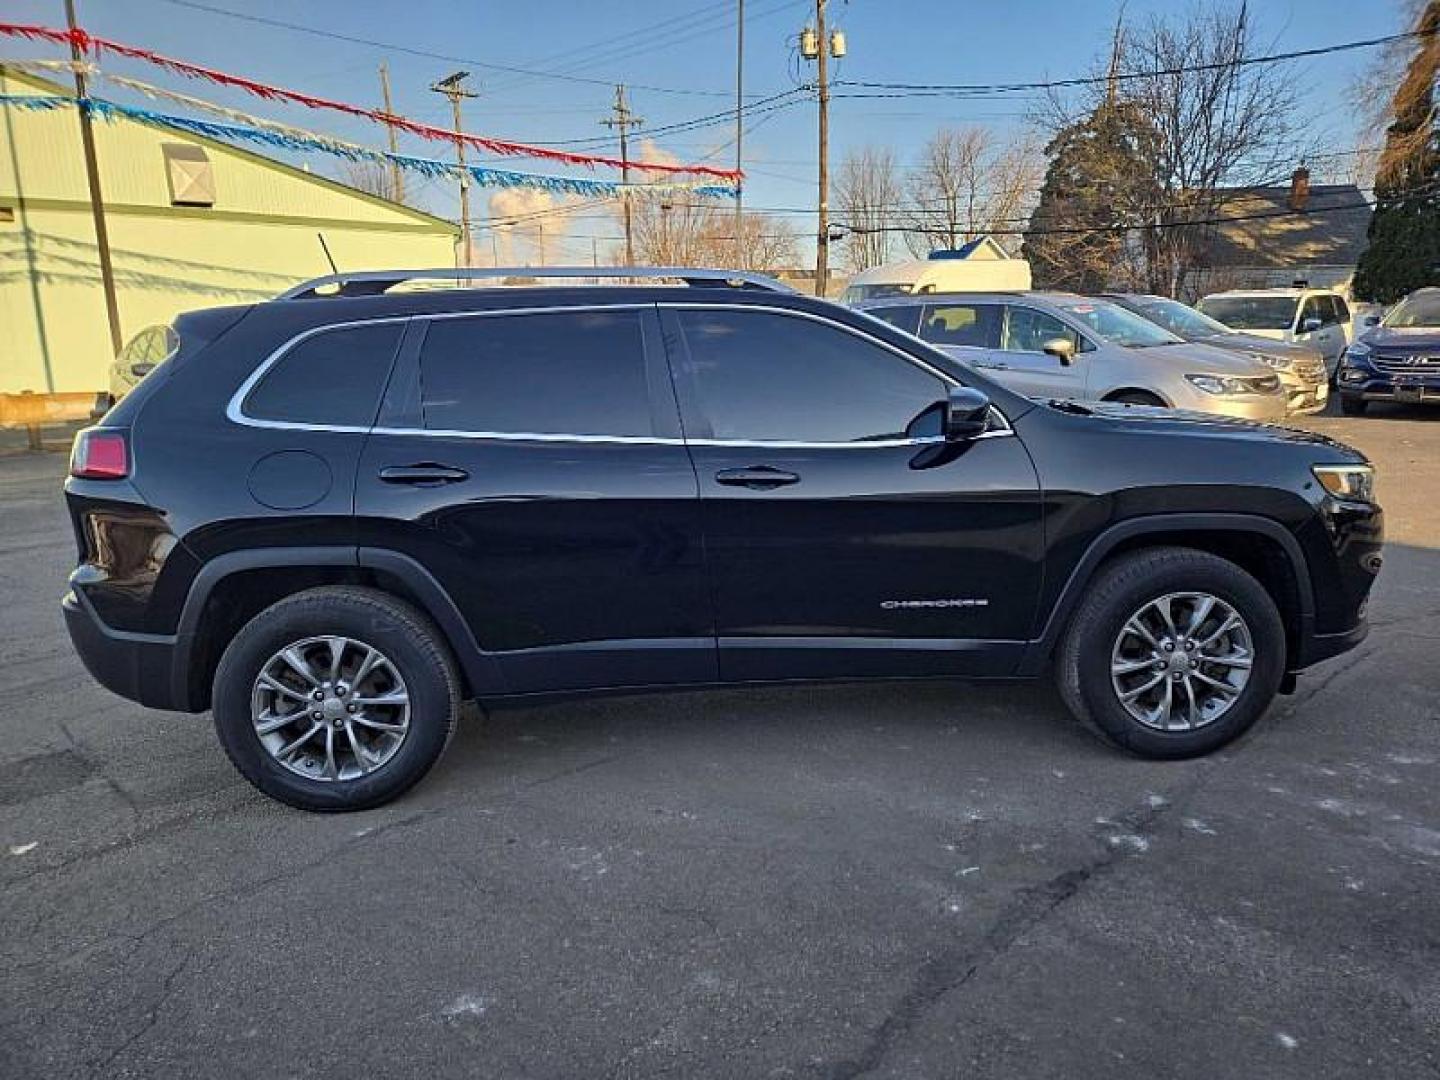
886, 881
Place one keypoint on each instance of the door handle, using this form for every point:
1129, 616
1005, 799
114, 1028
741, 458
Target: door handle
425, 473
756, 477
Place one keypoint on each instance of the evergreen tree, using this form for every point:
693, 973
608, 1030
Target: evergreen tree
1403, 252
1099, 179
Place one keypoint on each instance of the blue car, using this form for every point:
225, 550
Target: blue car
1396, 359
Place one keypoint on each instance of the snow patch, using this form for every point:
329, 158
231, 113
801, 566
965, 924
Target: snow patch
465, 1005
1194, 824
1289, 1042
1129, 841
24, 849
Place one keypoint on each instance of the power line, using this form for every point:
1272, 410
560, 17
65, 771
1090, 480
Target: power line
963, 89
391, 46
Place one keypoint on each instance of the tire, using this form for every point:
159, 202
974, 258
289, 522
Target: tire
1125, 587
1137, 397
399, 743
1353, 405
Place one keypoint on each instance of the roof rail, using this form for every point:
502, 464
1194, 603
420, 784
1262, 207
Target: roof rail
375, 282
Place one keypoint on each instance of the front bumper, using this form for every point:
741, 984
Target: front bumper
1305, 397
1365, 379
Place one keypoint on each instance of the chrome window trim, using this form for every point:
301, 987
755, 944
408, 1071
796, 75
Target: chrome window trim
234, 411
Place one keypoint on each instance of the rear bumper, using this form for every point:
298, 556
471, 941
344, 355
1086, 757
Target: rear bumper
140, 667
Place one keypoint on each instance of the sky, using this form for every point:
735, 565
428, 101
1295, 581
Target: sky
678, 60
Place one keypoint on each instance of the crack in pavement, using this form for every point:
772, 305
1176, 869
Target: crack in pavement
1030, 906
152, 1017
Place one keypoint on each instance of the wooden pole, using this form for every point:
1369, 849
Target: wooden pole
92, 176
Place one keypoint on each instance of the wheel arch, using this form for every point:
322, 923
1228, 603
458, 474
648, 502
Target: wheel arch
1261, 546
1117, 392
231, 589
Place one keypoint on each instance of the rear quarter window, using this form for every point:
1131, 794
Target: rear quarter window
333, 378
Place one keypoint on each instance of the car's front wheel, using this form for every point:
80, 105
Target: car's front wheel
1172, 653
336, 698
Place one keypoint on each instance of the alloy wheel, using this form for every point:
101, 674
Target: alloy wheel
1181, 661
330, 708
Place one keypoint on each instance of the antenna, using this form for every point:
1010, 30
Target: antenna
328, 257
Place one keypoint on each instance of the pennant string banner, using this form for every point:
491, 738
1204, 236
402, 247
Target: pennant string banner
93, 45
296, 139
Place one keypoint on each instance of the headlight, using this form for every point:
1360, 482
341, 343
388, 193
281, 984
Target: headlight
1356, 350
1279, 363
1231, 384
1354, 483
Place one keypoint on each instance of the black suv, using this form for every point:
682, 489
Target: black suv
332, 517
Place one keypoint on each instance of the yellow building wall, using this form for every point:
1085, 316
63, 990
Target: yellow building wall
259, 238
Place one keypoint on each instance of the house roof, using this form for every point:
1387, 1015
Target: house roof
1329, 231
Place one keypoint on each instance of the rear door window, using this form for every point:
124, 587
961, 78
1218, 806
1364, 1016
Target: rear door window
332, 379
974, 325
550, 373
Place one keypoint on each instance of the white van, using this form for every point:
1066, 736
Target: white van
974, 268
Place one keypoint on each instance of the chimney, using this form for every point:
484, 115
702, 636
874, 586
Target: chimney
1299, 188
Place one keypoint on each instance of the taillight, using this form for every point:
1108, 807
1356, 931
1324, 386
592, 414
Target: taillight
100, 455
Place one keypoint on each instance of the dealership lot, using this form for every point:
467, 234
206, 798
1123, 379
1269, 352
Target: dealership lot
880, 881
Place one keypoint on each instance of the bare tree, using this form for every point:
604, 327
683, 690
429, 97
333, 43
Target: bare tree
968, 184
372, 178
868, 193
1220, 125
1372, 91
686, 231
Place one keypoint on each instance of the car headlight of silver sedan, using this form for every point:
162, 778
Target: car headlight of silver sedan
1234, 384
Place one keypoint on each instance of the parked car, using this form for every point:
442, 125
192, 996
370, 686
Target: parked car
332, 516
1059, 345
1316, 317
1301, 368
1396, 358
138, 358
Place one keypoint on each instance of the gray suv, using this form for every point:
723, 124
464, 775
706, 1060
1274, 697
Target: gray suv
1060, 345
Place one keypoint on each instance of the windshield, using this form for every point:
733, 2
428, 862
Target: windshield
1118, 326
872, 292
1252, 312
1417, 309
1180, 318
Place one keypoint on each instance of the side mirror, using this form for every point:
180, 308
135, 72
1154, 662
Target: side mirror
1063, 349
967, 414
1310, 325
1372, 320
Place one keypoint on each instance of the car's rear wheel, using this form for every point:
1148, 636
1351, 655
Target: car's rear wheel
1353, 405
1172, 653
337, 698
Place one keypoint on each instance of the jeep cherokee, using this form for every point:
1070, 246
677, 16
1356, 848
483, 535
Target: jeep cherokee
331, 517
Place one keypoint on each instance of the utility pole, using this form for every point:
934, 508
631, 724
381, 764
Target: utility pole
451, 86
622, 118
819, 46
739, 125
397, 176
92, 176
